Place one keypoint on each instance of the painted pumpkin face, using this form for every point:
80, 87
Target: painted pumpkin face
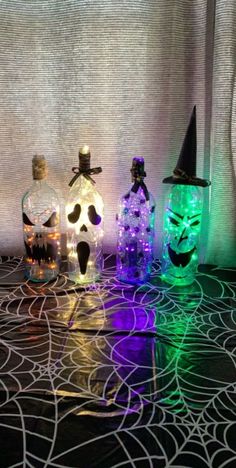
41, 237
181, 232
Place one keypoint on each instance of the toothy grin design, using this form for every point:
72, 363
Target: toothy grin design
182, 258
41, 250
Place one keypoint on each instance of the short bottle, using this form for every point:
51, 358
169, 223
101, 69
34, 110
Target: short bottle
41, 226
84, 213
135, 229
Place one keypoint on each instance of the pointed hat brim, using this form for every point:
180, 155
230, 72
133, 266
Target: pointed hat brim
185, 170
186, 181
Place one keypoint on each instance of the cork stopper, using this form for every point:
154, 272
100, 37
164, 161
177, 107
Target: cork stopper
84, 158
39, 167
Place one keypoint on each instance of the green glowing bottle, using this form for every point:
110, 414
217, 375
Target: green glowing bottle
183, 215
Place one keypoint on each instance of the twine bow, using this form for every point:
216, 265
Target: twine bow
85, 172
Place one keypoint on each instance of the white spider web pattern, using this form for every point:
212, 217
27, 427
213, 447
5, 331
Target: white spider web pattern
117, 376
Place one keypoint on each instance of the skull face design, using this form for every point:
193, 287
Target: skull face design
85, 232
181, 228
41, 240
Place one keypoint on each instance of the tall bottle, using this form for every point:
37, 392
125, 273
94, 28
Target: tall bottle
41, 226
135, 226
84, 213
183, 215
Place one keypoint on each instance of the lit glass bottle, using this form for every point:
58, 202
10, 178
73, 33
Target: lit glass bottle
183, 214
84, 213
182, 224
41, 226
135, 226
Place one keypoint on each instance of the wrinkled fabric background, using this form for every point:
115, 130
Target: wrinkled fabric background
121, 76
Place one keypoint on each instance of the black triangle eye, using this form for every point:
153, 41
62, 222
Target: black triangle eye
94, 218
195, 223
52, 221
74, 216
27, 221
174, 221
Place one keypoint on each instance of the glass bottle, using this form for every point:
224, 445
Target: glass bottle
41, 226
182, 223
135, 226
84, 213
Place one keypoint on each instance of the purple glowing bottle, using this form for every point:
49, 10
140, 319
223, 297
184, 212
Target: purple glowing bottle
135, 222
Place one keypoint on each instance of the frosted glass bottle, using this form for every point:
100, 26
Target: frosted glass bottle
41, 226
84, 213
135, 226
182, 223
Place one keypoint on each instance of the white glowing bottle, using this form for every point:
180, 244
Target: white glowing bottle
41, 226
84, 214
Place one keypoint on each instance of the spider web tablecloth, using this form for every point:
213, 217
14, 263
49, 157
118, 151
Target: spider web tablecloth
113, 375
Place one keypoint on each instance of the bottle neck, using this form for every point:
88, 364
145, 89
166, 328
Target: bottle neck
137, 178
84, 162
39, 183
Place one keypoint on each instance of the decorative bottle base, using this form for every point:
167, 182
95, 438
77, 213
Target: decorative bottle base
176, 280
85, 270
41, 273
130, 276
78, 278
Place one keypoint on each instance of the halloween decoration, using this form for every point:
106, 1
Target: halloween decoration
183, 213
41, 226
84, 211
135, 222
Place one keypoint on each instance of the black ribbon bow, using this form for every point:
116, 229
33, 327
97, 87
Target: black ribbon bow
86, 173
140, 183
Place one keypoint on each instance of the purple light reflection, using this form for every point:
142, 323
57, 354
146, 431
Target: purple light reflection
134, 364
133, 319
130, 313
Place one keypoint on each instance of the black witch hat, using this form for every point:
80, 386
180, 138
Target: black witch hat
185, 170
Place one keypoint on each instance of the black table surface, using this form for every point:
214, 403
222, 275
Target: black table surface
112, 375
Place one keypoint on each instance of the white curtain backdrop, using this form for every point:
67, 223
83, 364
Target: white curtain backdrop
221, 247
123, 77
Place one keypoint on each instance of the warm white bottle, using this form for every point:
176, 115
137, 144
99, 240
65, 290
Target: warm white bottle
41, 226
84, 214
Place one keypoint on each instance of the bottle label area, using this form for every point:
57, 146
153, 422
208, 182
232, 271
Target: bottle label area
84, 213
135, 222
182, 221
